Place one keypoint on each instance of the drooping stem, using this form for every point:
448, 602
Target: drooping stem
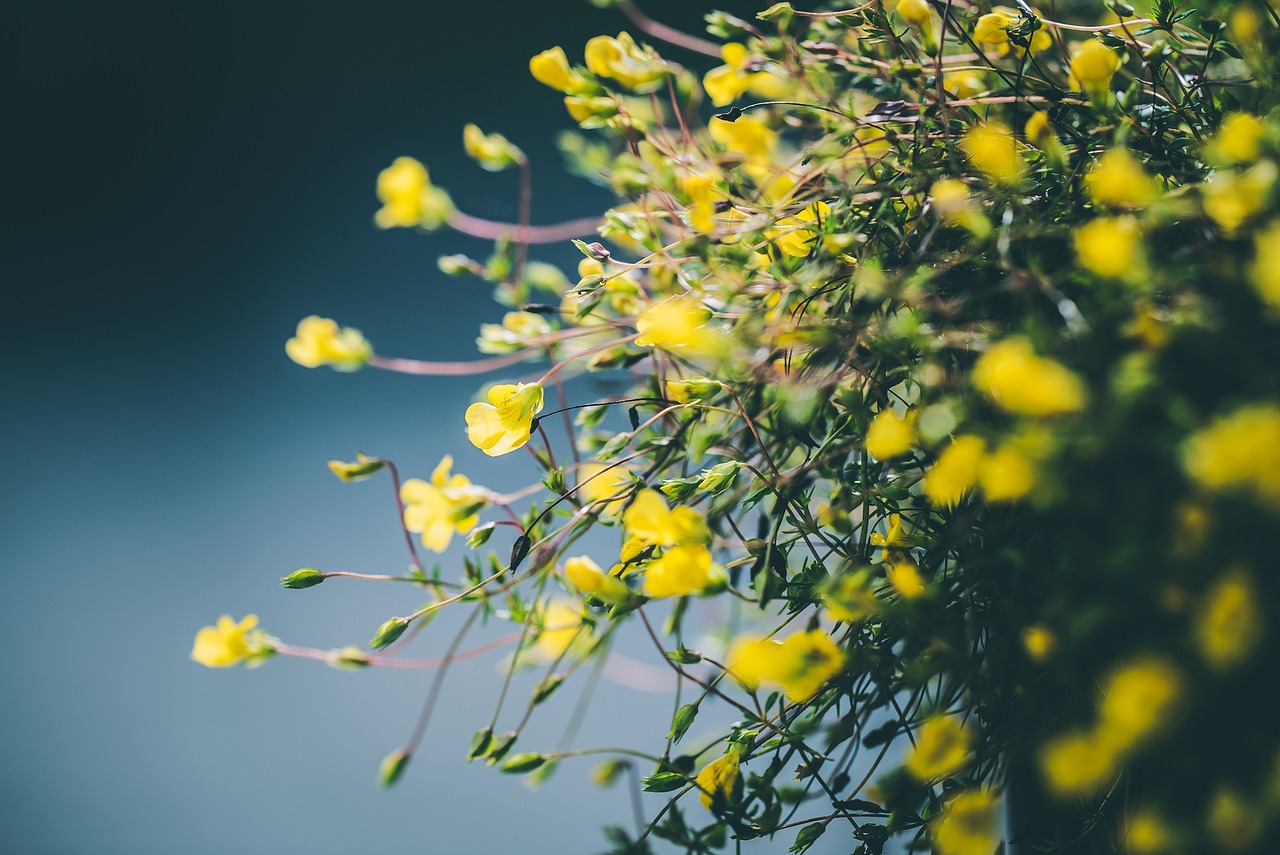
523, 233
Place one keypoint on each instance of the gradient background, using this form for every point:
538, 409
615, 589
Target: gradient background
183, 183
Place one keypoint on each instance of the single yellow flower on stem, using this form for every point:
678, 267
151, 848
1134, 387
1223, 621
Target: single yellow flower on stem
493, 152
799, 665
720, 780
409, 198
1012, 376
585, 575
993, 29
1038, 642
1092, 66
967, 825
448, 504
890, 435
621, 59
955, 472
320, 341
551, 68
991, 148
504, 421
941, 748
650, 521
229, 643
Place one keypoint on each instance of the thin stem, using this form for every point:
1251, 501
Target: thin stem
494, 229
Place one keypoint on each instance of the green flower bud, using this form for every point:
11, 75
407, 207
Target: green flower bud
393, 767
304, 578
362, 468
389, 632
521, 763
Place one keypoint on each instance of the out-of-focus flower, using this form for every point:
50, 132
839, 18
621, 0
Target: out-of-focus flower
1077, 764
560, 626
493, 152
447, 504
320, 341
849, 597
1231, 198
514, 333
1264, 273
799, 665
703, 192
1239, 451
992, 148
1146, 833
967, 825
795, 235
923, 19
1012, 376
1138, 699
726, 83
1228, 623
682, 571
621, 59
941, 748
650, 521
409, 198
1120, 181
606, 485
503, 422
890, 435
904, 577
1238, 140
229, 642
1110, 246
1006, 474
955, 472
1092, 66
678, 324
1038, 642
551, 68
585, 575
720, 780
993, 29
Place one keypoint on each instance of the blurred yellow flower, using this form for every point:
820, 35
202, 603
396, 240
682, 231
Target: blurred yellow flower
967, 825
1138, 699
1120, 181
227, 644
703, 194
621, 59
720, 780
795, 235
649, 521
677, 324
1092, 66
890, 435
1234, 823
1228, 624
503, 422
682, 571
606, 485
1038, 130
585, 575
905, 578
1110, 247
409, 198
1012, 376
922, 18
515, 332
941, 748
1239, 451
1038, 642
1264, 273
1231, 198
849, 597
955, 472
992, 149
446, 504
493, 152
551, 68
1238, 140
1146, 833
1006, 474
799, 665
993, 29
1076, 764
559, 627
320, 341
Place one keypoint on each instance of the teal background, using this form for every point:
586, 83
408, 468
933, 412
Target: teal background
183, 182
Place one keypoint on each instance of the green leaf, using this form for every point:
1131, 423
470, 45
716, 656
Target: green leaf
807, 837
684, 656
663, 782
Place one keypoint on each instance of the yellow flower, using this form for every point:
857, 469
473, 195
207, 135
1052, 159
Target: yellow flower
1229, 625
955, 472
585, 575
1264, 273
229, 643
1006, 474
320, 341
1038, 130
701, 189
941, 748
727, 82
1239, 451
551, 68
560, 625
905, 579
651, 522
795, 235
890, 435
677, 324
1137, 700
409, 198
1233, 822
682, 571
1230, 198
1092, 65
1146, 833
799, 665
849, 597
1110, 247
1012, 376
621, 59
1077, 764
1120, 181
514, 333
993, 150
918, 14
504, 421
993, 29
1038, 642
720, 780
1238, 140
606, 485
448, 504
892, 540
493, 152
964, 84
967, 825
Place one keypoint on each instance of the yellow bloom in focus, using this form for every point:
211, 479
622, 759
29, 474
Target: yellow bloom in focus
992, 148
849, 597
651, 522
504, 421
682, 571
1230, 198
677, 324
446, 504
955, 472
892, 540
621, 59
1120, 181
1146, 833
1264, 273
1038, 642
1012, 376
560, 625
320, 341
1110, 247
1137, 700
585, 575
799, 665
905, 579
1238, 140
227, 644
409, 198
1229, 623
606, 485
1077, 764
720, 780
890, 435
1006, 474
795, 235
727, 82
493, 152
551, 68
941, 748
967, 825
1239, 451
993, 29
1092, 66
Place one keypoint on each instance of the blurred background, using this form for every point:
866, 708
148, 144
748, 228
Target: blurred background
183, 182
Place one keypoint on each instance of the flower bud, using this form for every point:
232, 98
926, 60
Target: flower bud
304, 578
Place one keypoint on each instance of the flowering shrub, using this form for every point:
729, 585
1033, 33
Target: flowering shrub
953, 351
